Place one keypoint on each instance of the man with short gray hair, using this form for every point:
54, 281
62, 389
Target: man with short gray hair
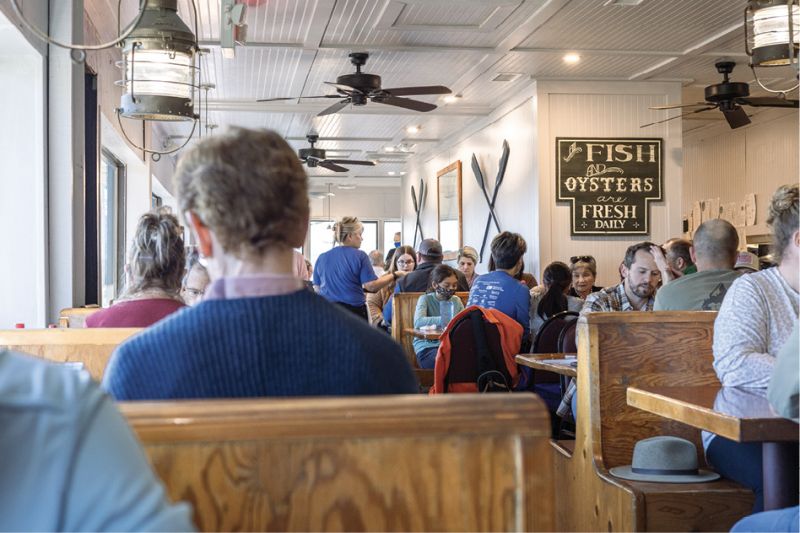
376, 259
714, 252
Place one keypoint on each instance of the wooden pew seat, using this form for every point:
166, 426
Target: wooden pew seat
390, 463
92, 347
615, 351
75, 317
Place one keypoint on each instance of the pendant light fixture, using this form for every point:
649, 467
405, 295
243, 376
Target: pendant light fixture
158, 64
772, 33
161, 79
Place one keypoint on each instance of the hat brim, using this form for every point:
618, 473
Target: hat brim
702, 476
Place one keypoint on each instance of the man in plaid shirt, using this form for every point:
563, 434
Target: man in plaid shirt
635, 293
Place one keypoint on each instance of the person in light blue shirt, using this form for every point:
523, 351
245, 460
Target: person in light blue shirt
437, 307
343, 273
498, 289
70, 462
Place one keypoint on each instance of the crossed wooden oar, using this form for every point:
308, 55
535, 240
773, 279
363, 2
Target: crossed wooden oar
501, 171
418, 206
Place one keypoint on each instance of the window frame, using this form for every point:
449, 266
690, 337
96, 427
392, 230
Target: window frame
119, 202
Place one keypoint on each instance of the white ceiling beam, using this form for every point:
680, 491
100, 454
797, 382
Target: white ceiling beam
370, 109
701, 48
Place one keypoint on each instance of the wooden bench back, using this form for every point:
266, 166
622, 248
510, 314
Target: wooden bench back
392, 463
403, 307
75, 317
90, 346
640, 348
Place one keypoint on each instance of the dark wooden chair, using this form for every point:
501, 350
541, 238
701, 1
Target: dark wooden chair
464, 462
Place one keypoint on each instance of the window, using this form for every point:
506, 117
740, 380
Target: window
370, 236
390, 227
112, 228
320, 238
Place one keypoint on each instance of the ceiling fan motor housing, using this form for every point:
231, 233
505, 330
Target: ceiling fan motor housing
366, 83
721, 92
317, 153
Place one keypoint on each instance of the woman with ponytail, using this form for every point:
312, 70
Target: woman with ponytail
344, 273
553, 299
153, 276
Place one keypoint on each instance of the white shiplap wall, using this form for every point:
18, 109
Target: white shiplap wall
728, 164
526, 203
609, 109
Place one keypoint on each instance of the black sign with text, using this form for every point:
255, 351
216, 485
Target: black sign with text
609, 183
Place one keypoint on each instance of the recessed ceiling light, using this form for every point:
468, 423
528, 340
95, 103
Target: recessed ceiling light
413, 129
452, 98
392, 173
388, 148
571, 58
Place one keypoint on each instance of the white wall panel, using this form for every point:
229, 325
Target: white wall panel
728, 164
604, 110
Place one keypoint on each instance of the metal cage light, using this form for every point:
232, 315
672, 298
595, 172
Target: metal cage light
159, 72
772, 32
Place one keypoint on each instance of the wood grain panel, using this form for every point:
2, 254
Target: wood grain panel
753, 421
92, 347
615, 351
403, 463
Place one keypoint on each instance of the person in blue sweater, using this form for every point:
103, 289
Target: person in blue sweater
257, 332
498, 289
436, 308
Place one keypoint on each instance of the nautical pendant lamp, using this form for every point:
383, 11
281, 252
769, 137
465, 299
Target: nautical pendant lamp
159, 72
771, 34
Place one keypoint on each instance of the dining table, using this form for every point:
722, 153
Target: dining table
739, 414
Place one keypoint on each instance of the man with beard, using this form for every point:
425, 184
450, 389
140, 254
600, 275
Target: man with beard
637, 290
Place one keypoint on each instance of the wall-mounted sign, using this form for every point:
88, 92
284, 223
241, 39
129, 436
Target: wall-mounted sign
609, 183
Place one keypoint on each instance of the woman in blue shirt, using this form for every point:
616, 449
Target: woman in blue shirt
436, 308
343, 273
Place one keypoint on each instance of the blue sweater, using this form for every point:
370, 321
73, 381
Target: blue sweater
290, 345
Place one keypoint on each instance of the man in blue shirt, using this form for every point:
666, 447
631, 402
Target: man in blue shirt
498, 289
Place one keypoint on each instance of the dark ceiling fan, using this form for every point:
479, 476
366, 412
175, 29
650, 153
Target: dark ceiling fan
728, 97
359, 87
315, 157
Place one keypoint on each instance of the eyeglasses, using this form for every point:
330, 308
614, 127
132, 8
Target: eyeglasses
410, 262
581, 259
194, 292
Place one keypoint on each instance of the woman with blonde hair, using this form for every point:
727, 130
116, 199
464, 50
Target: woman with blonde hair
403, 259
753, 324
154, 272
467, 260
343, 273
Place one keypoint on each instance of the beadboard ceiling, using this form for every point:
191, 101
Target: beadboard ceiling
295, 45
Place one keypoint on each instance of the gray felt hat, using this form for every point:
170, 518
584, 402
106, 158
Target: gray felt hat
664, 460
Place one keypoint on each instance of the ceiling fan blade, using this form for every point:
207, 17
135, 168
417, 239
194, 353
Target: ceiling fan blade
767, 101
710, 107
736, 117
298, 97
351, 162
344, 88
331, 166
414, 105
335, 108
677, 106
408, 91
